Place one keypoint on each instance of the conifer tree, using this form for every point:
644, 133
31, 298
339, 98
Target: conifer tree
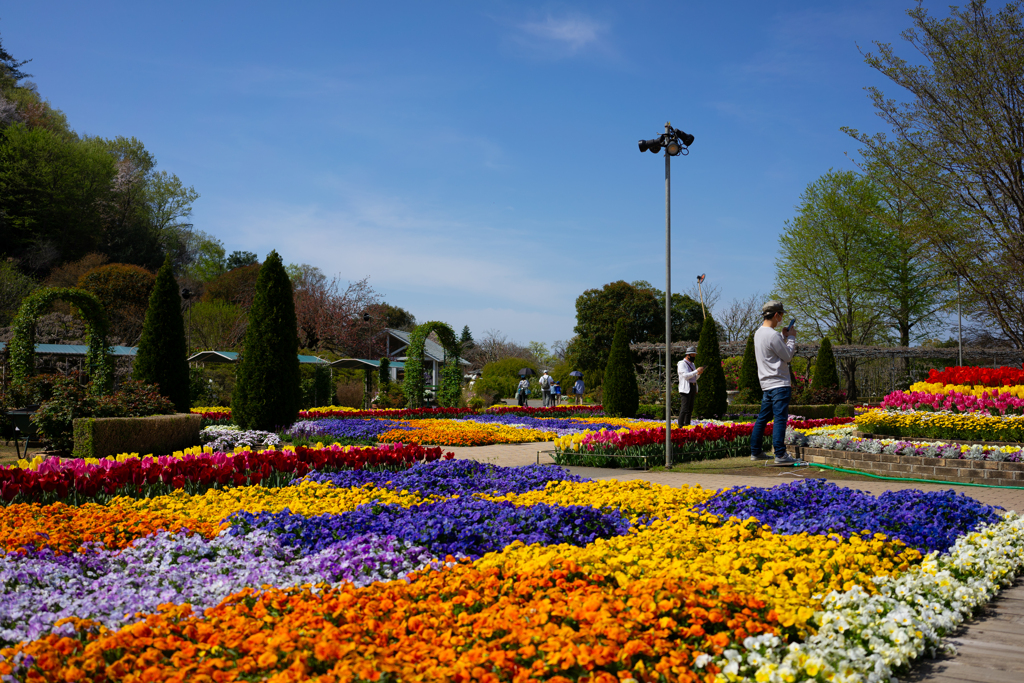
161, 358
712, 400
267, 390
825, 375
749, 384
621, 394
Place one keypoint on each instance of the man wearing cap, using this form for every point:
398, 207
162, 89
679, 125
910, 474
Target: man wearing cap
774, 353
688, 375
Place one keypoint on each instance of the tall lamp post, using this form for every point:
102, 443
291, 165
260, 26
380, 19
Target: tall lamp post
367, 382
676, 143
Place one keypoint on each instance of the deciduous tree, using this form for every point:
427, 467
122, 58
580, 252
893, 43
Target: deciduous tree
826, 263
961, 125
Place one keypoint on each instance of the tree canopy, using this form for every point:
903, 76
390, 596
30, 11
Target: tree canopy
955, 147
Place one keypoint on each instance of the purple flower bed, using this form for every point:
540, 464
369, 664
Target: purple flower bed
356, 428
560, 426
452, 478
41, 587
924, 520
468, 527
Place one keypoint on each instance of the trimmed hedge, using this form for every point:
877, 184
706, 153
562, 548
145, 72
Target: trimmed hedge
98, 437
818, 412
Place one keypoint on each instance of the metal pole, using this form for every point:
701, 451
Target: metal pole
668, 306
960, 322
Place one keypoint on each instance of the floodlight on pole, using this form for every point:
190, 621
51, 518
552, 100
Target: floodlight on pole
676, 143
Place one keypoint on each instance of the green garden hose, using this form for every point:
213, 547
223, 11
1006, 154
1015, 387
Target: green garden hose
922, 481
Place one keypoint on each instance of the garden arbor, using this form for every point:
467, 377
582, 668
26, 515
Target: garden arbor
451, 374
23, 345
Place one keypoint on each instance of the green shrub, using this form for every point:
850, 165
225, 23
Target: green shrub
162, 358
476, 403
501, 377
384, 372
99, 437
811, 412
267, 392
316, 387
237, 286
825, 375
124, 290
844, 410
749, 384
621, 394
390, 396
712, 401
70, 400
831, 395
732, 367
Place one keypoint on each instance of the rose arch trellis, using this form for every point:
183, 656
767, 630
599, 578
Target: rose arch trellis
451, 373
22, 347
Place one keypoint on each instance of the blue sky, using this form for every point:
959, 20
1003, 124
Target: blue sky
477, 160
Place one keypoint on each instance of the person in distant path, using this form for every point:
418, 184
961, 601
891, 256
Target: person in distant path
774, 353
523, 390
688, 376
577, 389
545, 387
556, 392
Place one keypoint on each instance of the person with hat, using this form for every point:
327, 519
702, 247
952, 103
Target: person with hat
774, 353
688, 376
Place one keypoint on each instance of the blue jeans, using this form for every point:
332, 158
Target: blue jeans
775, 401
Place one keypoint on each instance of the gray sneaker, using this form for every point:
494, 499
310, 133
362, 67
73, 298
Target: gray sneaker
787, 460
760, 456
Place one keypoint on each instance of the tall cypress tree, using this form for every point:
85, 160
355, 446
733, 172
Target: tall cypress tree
621, 393
712, 399
162, 356
267, 389
825, 375
749, 384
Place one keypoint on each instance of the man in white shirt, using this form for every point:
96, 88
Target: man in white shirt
688, 375
774, 353
545, 388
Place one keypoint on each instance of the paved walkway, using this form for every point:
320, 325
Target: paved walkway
988, 648
514, 455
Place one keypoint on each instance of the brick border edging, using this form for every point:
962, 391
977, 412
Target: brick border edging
918, 467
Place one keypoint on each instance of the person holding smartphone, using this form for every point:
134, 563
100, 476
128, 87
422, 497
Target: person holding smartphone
774, 353
688, 376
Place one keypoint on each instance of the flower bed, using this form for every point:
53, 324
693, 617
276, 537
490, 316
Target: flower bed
909, 424
988, 402
975, 376
77, 481
646, 447
627, 580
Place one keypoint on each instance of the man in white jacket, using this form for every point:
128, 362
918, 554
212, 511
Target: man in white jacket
774, 353
688, 376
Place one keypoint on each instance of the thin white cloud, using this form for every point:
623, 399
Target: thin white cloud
573, 33
553, 37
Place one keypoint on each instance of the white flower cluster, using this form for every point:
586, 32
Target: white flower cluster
225, 439
865, 638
